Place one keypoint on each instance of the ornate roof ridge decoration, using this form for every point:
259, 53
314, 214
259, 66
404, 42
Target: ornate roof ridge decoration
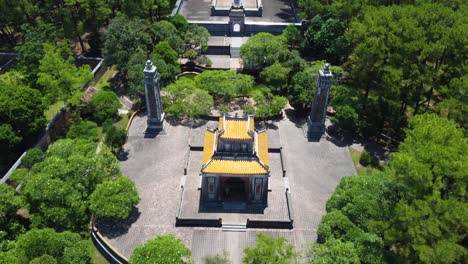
235, 166
236, 128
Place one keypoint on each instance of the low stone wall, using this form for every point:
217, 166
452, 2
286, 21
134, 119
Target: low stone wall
110, 253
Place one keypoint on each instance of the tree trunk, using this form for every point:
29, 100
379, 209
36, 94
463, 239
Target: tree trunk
81, 43
416, 108
366, 96
429, 97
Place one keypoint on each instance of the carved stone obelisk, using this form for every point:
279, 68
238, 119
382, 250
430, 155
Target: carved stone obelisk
154, 107
316, 119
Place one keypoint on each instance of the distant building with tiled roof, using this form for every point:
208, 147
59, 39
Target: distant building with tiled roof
235, 163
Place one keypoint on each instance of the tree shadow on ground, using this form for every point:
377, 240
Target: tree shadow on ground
115, 228
343, 138
298, 119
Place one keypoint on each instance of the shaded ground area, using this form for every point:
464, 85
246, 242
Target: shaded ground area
156, 165
273, 11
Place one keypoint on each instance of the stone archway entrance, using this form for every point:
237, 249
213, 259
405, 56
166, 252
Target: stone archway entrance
234, 189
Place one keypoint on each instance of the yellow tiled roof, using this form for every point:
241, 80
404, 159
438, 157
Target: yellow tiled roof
236, 129
234, 167
208, 146
262, 138
252, 124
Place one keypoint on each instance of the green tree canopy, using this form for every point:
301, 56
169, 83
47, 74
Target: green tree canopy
429, 222
269, 250
226, 84
161, 250
39, 242
275, 76
83, 129
104, 105
122, 38
335, 251
183, 99
263, 49
114, 199
59, 77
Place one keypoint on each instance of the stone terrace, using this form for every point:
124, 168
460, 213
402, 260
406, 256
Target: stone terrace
156, 165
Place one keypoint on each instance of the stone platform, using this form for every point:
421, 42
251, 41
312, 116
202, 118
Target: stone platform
275, 211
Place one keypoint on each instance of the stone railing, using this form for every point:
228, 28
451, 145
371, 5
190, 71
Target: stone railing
105, 248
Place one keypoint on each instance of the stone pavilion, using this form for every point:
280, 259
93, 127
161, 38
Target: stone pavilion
235, 164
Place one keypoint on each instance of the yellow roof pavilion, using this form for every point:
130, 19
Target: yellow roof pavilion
232, 128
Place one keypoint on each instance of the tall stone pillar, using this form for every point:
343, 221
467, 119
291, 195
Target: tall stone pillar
316, 119
154, 107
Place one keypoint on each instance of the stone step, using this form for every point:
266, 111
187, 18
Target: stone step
234, 227
234, 205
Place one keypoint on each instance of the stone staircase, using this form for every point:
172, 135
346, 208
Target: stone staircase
234, 227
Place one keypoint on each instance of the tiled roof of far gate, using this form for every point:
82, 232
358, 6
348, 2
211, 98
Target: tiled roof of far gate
208, 146
235, 128
262, 139
239, 167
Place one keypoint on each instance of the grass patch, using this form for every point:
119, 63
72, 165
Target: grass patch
53, 109
104, 81
123, 121
188, 76
355, 156
96, 257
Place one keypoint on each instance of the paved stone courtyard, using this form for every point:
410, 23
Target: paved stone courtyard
156, 165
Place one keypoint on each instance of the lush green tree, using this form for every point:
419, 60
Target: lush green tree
334, 251
292, 34
54, 203
301, 90
77, 253
22, 109
263, 49
183, 99
267, 105
410, 67
161, 250
58, 188
135, 75
115, 137
196, 37
44, 259
83, 129
325, 39
104, 105
9, 142
114, 199
269, 250
59, 77
32, 157
429, 223
167, 31
9, 257
165, 58
122, 38
39, 242
18, 176
275, 76
180, 22
10, 202
226, 84
31, 50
